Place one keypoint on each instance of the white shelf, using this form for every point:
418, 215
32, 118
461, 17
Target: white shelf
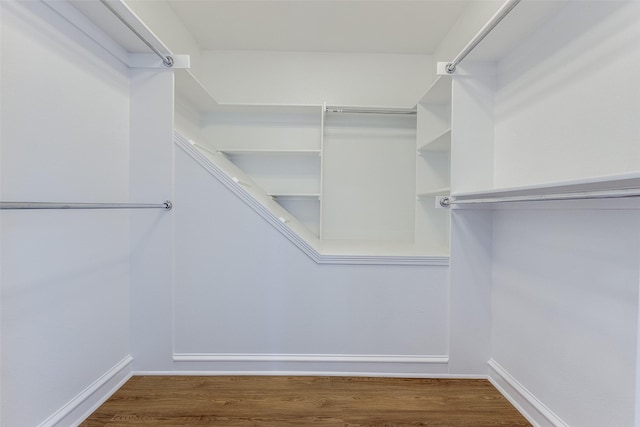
598, 183
250, 151
189, 88
439, 92
441, 142
436, 192
300, 196
332, 247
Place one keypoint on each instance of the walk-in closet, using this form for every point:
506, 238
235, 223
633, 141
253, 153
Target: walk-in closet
342, 189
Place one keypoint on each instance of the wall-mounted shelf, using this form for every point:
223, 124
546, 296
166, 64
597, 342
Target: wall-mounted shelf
259, 152
298, 196
436, 192
601, 184
442, 142
282, 150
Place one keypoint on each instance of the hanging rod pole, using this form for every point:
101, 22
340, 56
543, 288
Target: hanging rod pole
356, 110
595, 195
484, 32
167, 60
167, 205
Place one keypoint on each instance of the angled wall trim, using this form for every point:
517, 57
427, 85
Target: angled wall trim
528, 405
305, 245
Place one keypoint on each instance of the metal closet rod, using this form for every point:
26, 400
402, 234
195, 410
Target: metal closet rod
166, 59
484, 32
167, 205
357, 110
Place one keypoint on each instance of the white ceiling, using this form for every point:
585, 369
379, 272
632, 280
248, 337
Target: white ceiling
373, 26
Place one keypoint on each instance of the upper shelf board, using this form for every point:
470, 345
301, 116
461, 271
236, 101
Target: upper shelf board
441, 142
435, 192
593, 184
189, 88
250, 151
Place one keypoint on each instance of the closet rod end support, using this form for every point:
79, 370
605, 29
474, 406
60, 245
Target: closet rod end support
168, 205
168, 61
444, 202
450, 68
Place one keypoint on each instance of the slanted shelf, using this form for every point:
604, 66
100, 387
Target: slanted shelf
280, 172
279, 147
273, 150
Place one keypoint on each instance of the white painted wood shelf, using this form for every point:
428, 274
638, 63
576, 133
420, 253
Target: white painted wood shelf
301, 196
250, 151
602, 184
431, 193
277, 154
442, 142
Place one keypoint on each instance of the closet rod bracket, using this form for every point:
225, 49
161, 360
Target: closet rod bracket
444, 201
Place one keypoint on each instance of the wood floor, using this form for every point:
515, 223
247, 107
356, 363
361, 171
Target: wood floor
304, 401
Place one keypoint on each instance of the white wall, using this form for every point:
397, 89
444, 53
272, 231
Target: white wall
564, 309
254, 77
566, 104
243, 291
472, 19
65, 274
369, 178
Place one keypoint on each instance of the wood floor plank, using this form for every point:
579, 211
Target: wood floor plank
238, 401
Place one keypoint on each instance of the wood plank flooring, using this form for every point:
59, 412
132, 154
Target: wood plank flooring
232, 401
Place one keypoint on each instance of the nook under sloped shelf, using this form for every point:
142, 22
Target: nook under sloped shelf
441, 142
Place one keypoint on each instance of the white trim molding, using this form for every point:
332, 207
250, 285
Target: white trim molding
435, 366
529, 406
303, 242
256, 357
88, 400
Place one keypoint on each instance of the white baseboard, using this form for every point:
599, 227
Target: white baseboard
313, 364
528, 405
307, 374
87, 401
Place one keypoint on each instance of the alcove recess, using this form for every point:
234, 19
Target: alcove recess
345, 180
523, 124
